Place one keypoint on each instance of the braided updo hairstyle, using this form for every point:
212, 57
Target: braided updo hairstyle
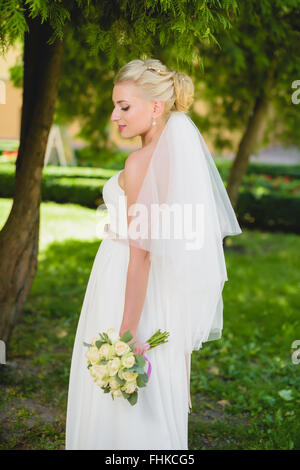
158, 82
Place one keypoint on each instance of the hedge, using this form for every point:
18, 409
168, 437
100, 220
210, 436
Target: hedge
259, 168
223, 165
269, 212
264, 202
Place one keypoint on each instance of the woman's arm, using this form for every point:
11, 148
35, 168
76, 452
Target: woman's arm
136, 287
139, 259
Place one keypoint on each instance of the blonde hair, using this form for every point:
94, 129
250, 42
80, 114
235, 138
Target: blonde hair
158, 82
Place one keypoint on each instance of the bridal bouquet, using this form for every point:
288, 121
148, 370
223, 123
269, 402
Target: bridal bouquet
114, 366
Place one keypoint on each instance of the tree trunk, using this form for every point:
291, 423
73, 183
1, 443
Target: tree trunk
253, 133
19, 238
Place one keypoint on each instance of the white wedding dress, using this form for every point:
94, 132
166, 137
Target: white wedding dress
159, 419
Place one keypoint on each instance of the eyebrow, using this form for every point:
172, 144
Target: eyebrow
121, 101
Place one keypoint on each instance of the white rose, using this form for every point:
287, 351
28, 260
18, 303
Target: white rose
121, 348
92, 355
114, 384
130, 376
99, 371
114, 366
130, 387
128, 360
106, 351
92, 371
113, 335
102, 382
117, 393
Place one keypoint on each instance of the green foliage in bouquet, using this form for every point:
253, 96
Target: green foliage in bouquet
114, 366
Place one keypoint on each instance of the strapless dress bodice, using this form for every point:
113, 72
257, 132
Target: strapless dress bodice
115, 200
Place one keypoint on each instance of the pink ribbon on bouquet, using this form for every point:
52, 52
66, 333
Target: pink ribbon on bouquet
146, 358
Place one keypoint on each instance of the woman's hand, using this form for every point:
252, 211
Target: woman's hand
139, 347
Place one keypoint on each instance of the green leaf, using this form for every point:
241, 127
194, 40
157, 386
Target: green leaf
127, 336
104, 338
132, 369
140, 360
133, 398
87, 344
136, 368
99, 343
140, 382
125, 395
145, 377
119, 380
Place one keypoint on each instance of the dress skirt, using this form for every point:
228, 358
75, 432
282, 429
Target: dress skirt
159, 419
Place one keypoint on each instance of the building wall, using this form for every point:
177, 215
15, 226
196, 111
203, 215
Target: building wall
10, 112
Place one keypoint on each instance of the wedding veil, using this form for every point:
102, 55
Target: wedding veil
181, 216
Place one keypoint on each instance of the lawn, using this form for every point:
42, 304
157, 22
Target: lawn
245, 387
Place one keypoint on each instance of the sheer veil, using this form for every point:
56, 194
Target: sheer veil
181, 216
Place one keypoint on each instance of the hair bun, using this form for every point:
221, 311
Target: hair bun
184, 91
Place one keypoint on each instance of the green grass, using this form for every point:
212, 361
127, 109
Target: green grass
60, 222
244, 387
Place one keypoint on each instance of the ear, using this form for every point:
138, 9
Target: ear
158, 108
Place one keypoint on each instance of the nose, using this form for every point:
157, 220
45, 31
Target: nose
114, 115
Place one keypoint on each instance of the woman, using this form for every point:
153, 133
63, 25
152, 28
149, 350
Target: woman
162, 269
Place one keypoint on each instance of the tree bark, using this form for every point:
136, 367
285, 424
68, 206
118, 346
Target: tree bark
19, 238
253, 133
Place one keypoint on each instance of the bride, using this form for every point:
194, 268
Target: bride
148, 274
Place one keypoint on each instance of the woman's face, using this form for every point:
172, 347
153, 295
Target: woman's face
132, 112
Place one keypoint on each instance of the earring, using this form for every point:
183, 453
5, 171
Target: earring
154, 122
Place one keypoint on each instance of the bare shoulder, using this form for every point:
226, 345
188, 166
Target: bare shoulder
135, 169
138, 160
